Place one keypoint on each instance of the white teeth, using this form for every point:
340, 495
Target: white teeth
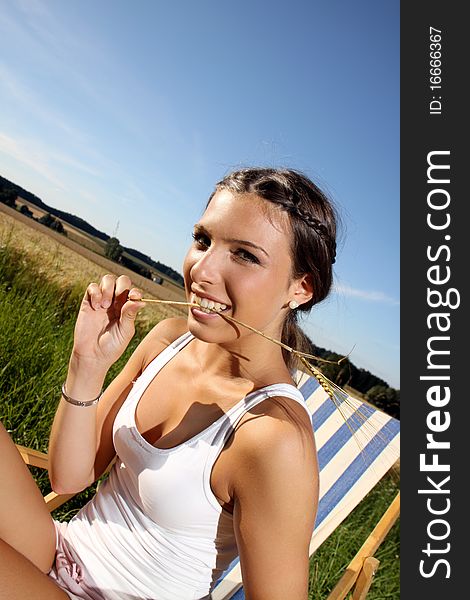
209, 306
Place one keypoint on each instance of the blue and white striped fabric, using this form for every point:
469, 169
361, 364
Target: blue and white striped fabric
357, 444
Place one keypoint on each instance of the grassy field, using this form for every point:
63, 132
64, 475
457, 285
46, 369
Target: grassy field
41, 284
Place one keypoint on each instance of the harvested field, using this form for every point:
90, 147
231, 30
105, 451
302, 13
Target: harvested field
66, 262
73, 233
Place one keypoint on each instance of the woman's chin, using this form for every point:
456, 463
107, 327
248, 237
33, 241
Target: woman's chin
211, 328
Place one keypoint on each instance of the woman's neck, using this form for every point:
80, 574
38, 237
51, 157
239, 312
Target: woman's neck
248, 359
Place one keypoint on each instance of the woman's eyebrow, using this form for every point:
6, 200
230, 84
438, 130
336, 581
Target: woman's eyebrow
198, 228
246, 243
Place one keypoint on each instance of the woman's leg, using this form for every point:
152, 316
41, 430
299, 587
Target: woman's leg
20, 579
25, 523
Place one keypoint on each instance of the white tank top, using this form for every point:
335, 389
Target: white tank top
155, 530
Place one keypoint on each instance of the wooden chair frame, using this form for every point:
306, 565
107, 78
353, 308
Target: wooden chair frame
361, 570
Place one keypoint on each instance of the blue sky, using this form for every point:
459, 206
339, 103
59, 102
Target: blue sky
127, 112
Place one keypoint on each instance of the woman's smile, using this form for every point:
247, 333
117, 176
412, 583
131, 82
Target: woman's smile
206, 302
207, 308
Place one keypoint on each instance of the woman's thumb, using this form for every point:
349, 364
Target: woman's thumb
129, 312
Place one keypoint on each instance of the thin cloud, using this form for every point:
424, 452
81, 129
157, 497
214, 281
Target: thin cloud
24, 153
41, 158
368, 295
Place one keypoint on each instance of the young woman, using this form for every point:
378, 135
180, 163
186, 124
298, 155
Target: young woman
213, 445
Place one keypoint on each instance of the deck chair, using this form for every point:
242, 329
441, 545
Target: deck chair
357, 444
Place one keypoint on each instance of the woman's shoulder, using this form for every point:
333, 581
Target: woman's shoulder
274, 443
277, 420
162, 335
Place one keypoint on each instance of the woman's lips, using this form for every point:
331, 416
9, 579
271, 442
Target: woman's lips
200, 314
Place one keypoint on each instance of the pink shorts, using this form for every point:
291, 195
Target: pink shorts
66, 572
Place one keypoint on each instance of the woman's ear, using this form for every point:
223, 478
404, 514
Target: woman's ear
301, 290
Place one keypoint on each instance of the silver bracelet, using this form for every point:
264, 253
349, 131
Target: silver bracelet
79, 402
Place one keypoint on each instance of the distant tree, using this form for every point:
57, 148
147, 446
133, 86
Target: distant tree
8, 195
113, 249
46, 219
362, 381
49, 221
385, 398
19, 191
56, 225
330, 371
25, 210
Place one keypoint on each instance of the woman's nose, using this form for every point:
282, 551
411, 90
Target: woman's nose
207, 267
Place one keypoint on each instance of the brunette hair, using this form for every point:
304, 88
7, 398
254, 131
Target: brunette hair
313, 220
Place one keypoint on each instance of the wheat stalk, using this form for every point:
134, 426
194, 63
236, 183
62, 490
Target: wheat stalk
326, 384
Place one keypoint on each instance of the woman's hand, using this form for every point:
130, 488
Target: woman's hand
105, 323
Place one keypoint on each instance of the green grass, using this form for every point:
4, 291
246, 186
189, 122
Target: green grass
36, 330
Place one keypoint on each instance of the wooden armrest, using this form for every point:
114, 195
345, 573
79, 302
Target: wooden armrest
54, 500
33, 457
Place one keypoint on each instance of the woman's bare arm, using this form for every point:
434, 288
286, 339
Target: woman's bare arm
80, 446
275, 490
79, 450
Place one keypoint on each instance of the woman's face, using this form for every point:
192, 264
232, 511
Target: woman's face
240, 258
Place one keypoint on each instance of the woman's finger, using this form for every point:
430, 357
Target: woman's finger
108, 283
135, 294
93, 295
123, 284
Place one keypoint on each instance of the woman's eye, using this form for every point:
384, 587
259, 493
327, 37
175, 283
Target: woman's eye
246, 256
201, 240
